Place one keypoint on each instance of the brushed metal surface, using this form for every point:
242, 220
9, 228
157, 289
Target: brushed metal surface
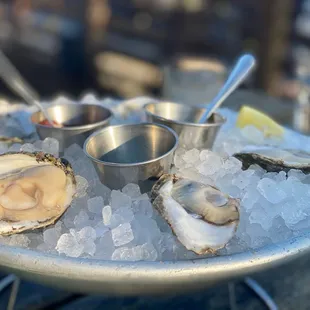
145, 278
135, 153
81, 121
183, 119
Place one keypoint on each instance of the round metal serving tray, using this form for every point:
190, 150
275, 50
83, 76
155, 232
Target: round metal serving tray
156, 278
145, 278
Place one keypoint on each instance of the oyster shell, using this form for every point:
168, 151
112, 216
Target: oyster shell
10, 140
202, 217
274, 159
35, 190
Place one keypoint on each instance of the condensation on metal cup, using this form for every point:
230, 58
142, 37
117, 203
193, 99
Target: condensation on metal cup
193, 80
301, 116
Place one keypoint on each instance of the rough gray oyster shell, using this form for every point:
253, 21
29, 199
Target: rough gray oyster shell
202, 217
274, 159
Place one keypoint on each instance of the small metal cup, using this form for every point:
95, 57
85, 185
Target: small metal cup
135, 153
81, 119
183, 119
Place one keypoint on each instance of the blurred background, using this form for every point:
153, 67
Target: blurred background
171, 48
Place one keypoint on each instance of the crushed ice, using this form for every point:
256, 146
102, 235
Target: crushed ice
122, 225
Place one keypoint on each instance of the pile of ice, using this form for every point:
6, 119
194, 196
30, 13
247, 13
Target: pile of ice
122, 225
100, 223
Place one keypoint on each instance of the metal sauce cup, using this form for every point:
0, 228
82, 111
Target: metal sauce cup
80, 120
135, 153
183, 120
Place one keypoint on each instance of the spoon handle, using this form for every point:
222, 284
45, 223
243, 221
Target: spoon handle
16, 82
241, 70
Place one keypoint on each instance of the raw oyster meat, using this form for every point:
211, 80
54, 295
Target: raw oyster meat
202, 217
35, 190
274, 159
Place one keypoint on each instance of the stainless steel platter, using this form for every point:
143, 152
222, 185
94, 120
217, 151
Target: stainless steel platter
148, 278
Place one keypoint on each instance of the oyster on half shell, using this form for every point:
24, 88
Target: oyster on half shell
35, 190
201, 216
274, 159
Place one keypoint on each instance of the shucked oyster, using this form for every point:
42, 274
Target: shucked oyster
202, 217
274, 159
35, 190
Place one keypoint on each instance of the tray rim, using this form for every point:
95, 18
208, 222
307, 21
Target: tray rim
145, 278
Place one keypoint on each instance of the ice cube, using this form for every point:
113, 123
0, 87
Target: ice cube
236, 245
90, 248
106, 215
149, 253
226, 185
250, 197
143, 206
81, 186
191, 157
28, 147
121, 216
137, 253
167, 242
281, 176
15, 147
119, 199
145, 229
232, 165
271, 191
243, 179
98, 189
122, 234
105, 246
38, 145
259, 171
77, 205
193, 174
207, 168
259, 216
74, 152
36, 239
252, 134
81, 164
297, 174
132, 190
123, 253
178, 158
279, 231
87, 233
292, 214
100, 229
51, 236
69, 245
81, 220
210, 163
51, 146
95, 204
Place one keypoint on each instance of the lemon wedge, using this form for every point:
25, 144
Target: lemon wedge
249, 116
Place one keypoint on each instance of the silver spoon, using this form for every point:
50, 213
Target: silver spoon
243, 67
17, 83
